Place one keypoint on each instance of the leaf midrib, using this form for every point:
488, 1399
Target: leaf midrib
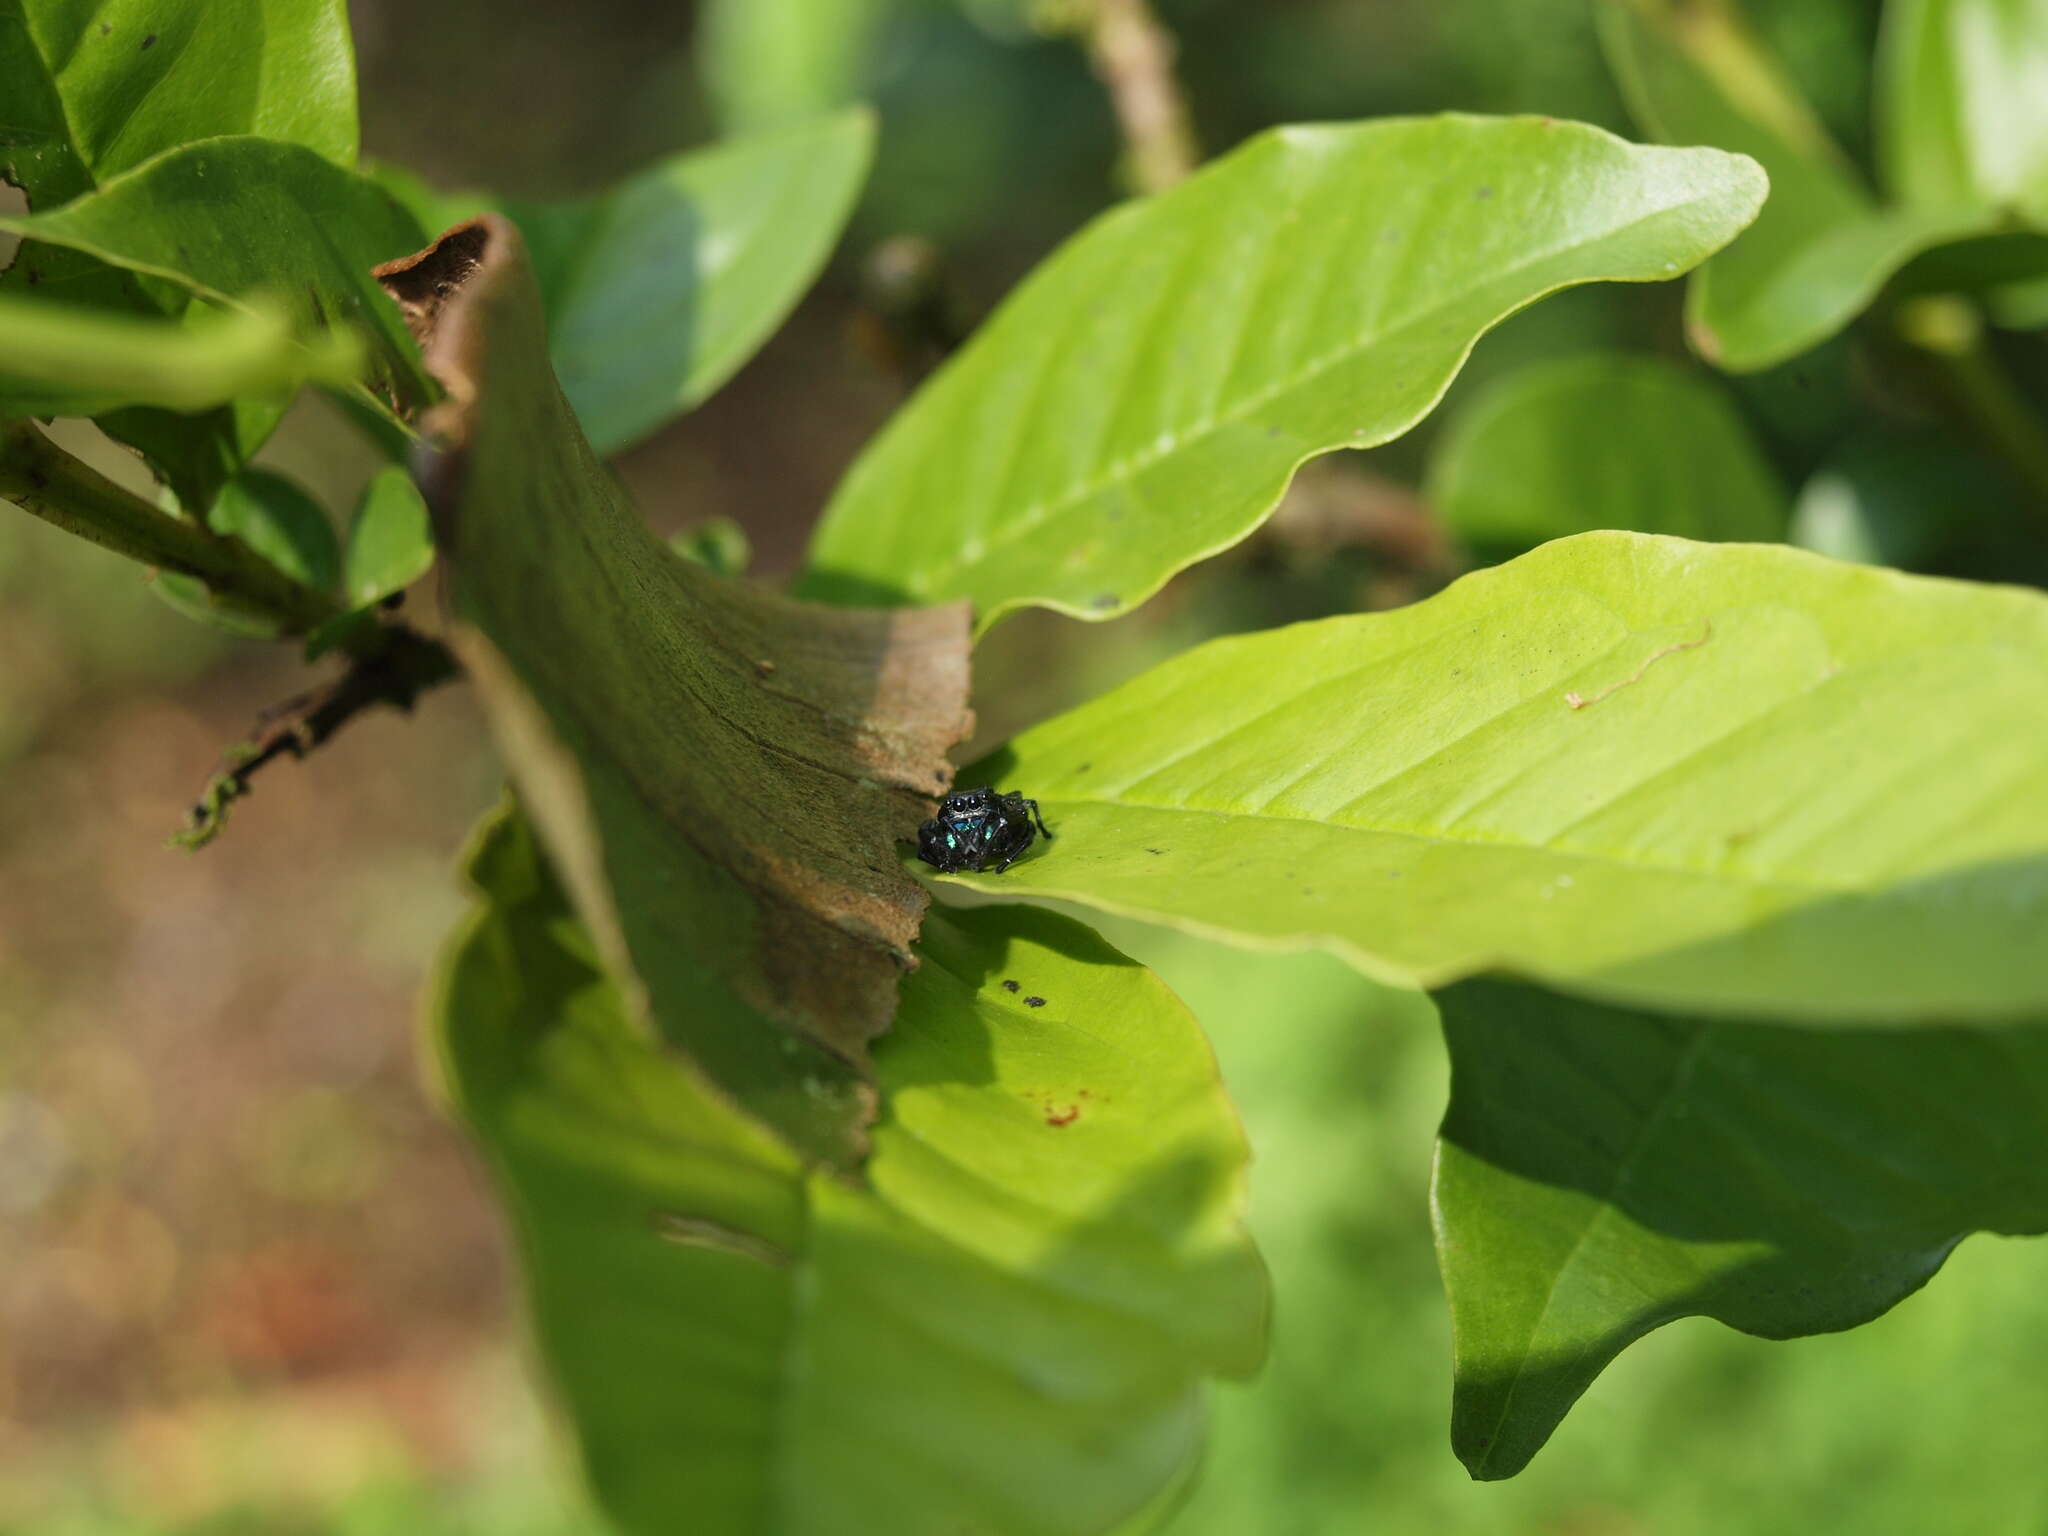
1805, 886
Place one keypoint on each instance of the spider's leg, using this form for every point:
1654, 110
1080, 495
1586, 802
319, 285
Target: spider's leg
1044, 830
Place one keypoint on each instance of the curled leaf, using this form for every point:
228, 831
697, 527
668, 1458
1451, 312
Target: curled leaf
720, 773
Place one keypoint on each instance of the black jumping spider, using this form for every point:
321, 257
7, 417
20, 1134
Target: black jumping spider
979, 827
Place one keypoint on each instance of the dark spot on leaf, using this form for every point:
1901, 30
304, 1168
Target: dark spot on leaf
1084, 768
149, 42
1155, 850
1481, 194
1034, 1002
1066, 1116
39, 480
105, 30
1009, 985
1106, 601
35, 275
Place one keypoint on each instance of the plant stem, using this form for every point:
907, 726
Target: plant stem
1948, 333
42, 479
1133, 56
405, 665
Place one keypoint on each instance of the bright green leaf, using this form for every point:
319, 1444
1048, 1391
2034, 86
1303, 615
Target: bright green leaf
1004, 1331
1602, 440
773, 62
1822, 247
245, 220
390, 545
60, 360
722, 774
1142, 400
1964, 115
279, 520
1732, 777
96, 87
1603, 1173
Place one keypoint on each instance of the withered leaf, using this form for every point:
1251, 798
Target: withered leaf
721, 773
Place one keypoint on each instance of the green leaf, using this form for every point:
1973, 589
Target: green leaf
1822, 247
59, 360
721, 774
1963, 117
390, 545
659, 290
279, 520
96, 87
1604, 1172
1602, 440
1731, 777
773, 62
662, 288
1142, 400
244, 220
1004, 1331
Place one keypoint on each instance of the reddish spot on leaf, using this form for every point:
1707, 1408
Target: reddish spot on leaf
1064, 1116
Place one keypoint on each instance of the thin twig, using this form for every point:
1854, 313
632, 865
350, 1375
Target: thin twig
1948, 332
42, 479
405, 665
1133, 55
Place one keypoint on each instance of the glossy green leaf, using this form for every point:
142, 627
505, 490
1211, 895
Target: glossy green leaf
1964, 117
1142, 400
1735, 777
279, 520
1005, 1330
60, 360
242, 219
1605, 1172
1822, 247
721, 773
96, 87
390, 544
659, 290
1602, 440
773, 62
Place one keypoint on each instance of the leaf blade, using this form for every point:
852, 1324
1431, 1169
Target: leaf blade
1418, 790
1823, 247
1602, 440
721, 773
809, 1354
1603, 1172
1037, 468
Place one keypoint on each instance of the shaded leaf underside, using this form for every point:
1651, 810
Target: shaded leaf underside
1604, 1172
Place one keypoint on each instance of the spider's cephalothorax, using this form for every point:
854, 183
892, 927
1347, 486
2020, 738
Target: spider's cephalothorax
979, 827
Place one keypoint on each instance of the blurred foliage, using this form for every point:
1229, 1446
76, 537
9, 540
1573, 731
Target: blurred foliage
252, 1283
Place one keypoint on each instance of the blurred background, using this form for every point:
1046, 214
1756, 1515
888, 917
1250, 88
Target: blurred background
249, 1282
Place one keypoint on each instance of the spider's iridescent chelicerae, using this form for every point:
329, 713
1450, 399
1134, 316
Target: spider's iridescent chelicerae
979, 827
